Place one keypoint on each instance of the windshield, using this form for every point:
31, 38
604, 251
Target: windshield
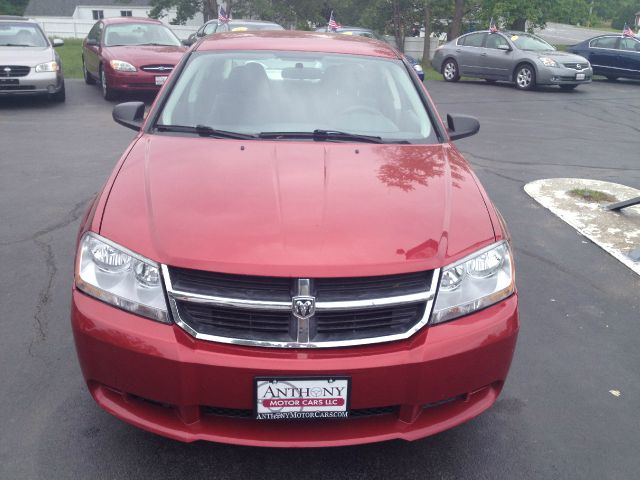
21, 34
526, 41
261, 92
247, 26
139, 34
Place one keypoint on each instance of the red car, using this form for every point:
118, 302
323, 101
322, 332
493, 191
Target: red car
292, 253
129, 55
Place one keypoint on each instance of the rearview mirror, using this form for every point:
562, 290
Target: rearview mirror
58, 42
461, 126
129, 114
506, 48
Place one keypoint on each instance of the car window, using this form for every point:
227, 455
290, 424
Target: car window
139, 34
473, 40
21, 34
247, 26
629, 44
253, 92
526, 41
604, 42
209, 28
495, 40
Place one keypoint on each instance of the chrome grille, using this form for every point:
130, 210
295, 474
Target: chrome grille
159, 69
7, 71
259, 311
577, 66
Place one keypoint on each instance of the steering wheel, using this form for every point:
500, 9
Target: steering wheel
359, 109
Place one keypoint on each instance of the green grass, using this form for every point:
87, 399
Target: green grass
591, 195
71, 56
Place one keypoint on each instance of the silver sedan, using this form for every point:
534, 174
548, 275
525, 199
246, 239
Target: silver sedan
518, 57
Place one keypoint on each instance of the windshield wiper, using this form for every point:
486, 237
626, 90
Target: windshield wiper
153, 44
324, 135
205, 131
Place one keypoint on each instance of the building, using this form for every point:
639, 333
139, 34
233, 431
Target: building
74, 18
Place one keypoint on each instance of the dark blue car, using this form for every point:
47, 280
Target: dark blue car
613, 56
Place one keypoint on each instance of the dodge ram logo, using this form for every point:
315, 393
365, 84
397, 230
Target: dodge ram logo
303, 307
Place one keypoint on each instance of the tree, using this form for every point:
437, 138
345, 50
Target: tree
185, 9
13, 7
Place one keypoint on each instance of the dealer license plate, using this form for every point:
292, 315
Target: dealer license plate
161, 80
580, 76
301, 398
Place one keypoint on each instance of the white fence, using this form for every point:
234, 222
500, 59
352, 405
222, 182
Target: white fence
70, 28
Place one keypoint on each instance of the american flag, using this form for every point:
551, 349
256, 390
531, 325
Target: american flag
492, 26
222, 15
333, 25
627, 31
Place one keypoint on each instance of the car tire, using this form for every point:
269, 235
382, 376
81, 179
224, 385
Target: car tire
611, 78
88, 79
450, 71
525, 77
60, 96
107, 92
568, 87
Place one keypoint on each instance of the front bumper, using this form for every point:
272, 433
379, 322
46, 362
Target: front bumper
563, 76
32, 84
160, 379
134, 81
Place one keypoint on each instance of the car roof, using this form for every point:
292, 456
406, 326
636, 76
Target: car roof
114, 20
285, 40
16, 18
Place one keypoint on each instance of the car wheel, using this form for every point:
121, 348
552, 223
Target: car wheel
525, 77
450, 71
107, 92
88, 79
611, 78
568, 87
60, 96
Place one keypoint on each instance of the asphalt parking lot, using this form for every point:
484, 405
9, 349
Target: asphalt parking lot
580, 308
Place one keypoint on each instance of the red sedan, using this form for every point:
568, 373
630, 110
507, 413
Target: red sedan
129, 54
292, 253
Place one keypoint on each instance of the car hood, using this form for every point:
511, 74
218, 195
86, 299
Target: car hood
145, 55
27, 56
560, 57
296, 208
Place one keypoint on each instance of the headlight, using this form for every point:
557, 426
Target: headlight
48, 67
417, 68
476, 282
549, 62
118, 276
121, 66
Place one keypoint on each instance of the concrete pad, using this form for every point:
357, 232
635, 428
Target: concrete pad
616, 232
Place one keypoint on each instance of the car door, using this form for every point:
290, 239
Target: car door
92, 49
497, 61
628, 62
470, 52
603, 55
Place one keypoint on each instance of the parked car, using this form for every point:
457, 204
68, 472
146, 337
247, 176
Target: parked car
365, 32
128, 54
613, 56
213, 26
518, 57
29, 64
248, 262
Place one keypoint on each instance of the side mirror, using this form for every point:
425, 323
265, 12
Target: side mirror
58, 42
92, 42
506, 48
129, 114
461, 126
187, 42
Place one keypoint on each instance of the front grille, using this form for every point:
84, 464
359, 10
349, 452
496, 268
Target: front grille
245, 413
576, 66
297, 313
16, 87
7, 71
163, 69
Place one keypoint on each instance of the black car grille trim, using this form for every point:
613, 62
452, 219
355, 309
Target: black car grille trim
258, 311
248, 414
577, 66
14, 71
